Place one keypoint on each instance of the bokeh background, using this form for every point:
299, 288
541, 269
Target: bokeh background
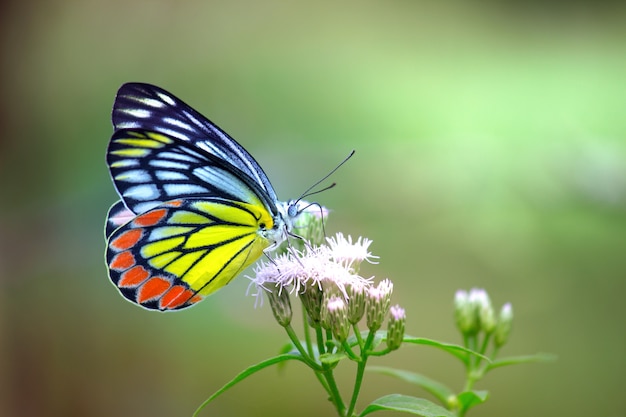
491, 152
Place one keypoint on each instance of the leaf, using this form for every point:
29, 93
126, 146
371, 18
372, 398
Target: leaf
456, 350
246, 373
332, 358
469, 399
287, 348
439, 390
514, 360
407, 404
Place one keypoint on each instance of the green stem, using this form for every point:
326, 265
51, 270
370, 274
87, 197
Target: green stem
359, 372
357, 333
307, 332
320, 340
471, 344
483, 348
329, 341
380, 352
333, 391
349, 352
305, 356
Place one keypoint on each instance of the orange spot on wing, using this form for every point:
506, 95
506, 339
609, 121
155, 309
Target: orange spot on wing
153, 288
195, 299
175, 203
133, 277
175, 297
122, 261
150, 218
127, 239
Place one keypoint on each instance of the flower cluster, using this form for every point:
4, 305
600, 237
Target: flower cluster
474, 314
325, 266
326, 279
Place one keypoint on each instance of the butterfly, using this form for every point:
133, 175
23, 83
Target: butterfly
196, 208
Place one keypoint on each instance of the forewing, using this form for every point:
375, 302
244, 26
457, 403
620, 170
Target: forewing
147, 107
150, 168
175, 254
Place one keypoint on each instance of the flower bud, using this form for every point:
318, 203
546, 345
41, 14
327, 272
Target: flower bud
465, 313
356, 303
281, 305
486, 314
503, 326
310, 224
311, 297
395, 328
377, 304
335, 317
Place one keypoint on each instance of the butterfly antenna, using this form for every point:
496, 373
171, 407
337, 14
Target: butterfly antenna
307, 193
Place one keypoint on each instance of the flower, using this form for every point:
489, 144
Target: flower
322, 267
350, 254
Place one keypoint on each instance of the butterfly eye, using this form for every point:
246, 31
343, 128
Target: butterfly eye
292, 210
262, 225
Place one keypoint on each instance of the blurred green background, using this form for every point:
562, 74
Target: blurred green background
491, 152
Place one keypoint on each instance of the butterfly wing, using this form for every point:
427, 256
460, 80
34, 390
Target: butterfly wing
117, 216
150, 168
196, 208
147, 107
175, 254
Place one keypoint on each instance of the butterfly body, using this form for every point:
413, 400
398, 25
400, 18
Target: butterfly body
196, 208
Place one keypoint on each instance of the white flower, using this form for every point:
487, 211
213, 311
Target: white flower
323, 266
350, 254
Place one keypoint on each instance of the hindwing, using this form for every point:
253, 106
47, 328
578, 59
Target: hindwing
175, 254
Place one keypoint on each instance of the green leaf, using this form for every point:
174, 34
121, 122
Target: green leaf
286, 348
407, 404
514, 360
247, 372
456, 350
332, 358
469, 399
439, 390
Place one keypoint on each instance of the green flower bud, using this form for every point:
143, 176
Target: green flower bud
465, 313
503, 327
281, 305
377, 304
395, 328
356, 303
338, 314
486, 314
309, 224
311, 297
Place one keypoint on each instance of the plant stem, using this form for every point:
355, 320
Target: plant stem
357, 333
320, 340
307, 358
333, 391
360, 371
307, 332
